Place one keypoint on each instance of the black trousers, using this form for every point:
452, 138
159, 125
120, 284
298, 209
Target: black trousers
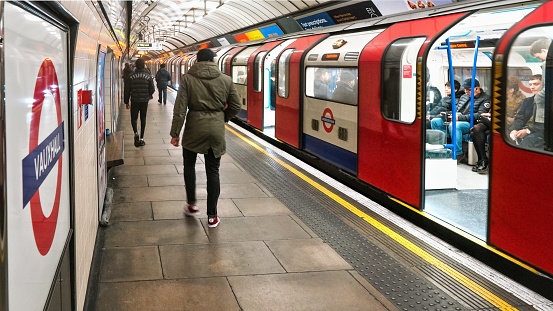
212, 165
142, 109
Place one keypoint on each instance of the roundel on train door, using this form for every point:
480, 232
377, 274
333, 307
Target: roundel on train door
328, 120
43, 157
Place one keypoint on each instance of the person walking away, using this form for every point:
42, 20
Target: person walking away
140, 91
162, 79
206, 100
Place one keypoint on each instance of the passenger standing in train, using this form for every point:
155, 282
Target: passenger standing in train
445, 103
526, 131
140, 91
345, 89
207, 100
539, 49
514, 99
462, 115
322, 83
162, 79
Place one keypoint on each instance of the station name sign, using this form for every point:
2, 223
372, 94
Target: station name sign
148, 46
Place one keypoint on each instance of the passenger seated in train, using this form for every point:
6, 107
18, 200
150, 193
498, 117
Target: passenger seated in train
322, 83
514, 99
241, 78
481, 105
345, 89
445, 103
527, 129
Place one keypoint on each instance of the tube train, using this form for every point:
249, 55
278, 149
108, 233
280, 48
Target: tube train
393, 70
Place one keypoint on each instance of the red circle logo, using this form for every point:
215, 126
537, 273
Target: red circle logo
328, 122
44, 228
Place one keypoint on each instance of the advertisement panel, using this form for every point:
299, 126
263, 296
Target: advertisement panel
316, 21
272, 31
37, 156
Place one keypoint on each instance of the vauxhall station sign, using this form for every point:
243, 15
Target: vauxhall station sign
148, 46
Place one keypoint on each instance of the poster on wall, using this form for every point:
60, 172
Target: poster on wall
37, 155
101, 122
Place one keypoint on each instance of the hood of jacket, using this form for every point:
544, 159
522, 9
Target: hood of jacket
205, 70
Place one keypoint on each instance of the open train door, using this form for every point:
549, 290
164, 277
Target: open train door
520, 216
390, 125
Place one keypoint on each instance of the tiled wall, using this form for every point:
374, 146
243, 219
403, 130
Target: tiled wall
91, 33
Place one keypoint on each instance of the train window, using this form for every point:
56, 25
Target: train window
258, 71
399, 77
528, 122
284, 72
337, 84
239, 74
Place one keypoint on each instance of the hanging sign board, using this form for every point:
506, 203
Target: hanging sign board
148, 46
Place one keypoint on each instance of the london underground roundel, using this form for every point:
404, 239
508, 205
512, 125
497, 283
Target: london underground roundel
328, 120
43, 157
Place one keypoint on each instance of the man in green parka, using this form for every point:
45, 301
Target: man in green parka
206, 99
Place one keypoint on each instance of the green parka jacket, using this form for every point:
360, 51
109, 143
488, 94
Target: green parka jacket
211, 100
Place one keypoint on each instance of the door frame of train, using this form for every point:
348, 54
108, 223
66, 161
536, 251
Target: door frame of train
401, 172
255, 98
506, 219
288, 113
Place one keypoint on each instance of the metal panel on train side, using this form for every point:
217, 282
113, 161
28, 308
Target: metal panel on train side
336, 139
520, 216
255, 99
287, 113
389, 151
37, 155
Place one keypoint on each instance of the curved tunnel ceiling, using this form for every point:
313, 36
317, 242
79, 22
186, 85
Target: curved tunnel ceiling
180, 23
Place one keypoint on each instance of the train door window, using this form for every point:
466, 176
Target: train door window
284, 72
258, 71
399, 77
337, 84
239, 74
529, 119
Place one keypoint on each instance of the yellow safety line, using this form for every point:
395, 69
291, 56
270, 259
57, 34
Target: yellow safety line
473, 286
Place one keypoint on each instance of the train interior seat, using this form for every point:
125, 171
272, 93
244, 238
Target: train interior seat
441, 169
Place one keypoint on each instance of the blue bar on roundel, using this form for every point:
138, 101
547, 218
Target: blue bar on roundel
37, 165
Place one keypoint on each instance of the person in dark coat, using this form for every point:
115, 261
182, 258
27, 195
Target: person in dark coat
163, 78
127, 71
321, 87
527, 130
445, 103
482, 104
206, 100
140, 91
344, 91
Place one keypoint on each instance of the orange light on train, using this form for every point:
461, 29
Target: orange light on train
338, 44
332, 56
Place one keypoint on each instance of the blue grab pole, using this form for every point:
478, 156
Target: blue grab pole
453, 103
472, 82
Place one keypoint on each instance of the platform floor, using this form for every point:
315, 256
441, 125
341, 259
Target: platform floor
281, 245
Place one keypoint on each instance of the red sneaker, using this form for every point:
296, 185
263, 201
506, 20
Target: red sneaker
191, 210
213, 222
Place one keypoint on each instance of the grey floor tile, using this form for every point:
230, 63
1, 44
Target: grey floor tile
304, 255
130, 264
137, 194
236, 191
134, 161
136, 152
168, 295
174, 209
261, 207
166, 169
125, 181
167, 180
162, 160
261, 228
334, 290
158, 232
207, 260
131, 211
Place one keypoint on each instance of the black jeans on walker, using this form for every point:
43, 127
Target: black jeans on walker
212, 171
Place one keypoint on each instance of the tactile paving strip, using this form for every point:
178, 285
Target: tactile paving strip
396, 281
